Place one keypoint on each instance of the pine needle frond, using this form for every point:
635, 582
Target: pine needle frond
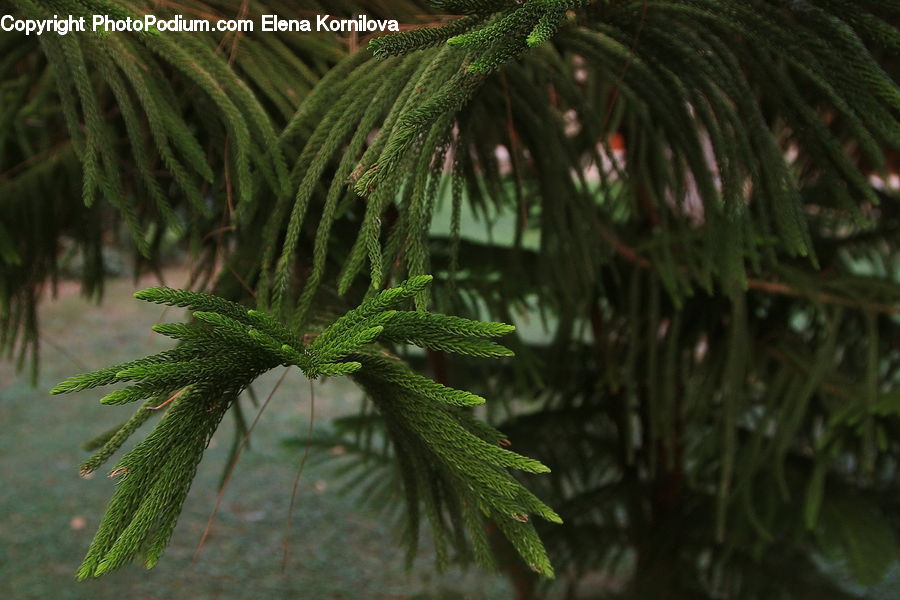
220, 356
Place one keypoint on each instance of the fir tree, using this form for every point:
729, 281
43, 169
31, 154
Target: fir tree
696, 220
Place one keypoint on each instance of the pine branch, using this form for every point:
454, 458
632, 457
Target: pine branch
228, 347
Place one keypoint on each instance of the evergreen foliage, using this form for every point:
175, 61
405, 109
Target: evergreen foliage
228, 347
694, 219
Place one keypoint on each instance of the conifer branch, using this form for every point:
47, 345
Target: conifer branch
228, 347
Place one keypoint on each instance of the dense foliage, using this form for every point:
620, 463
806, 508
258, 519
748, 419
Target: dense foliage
690, 198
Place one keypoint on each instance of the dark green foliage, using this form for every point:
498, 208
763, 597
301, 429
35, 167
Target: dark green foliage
673, 100
171, 135
680, 192
472, 6
419, 39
